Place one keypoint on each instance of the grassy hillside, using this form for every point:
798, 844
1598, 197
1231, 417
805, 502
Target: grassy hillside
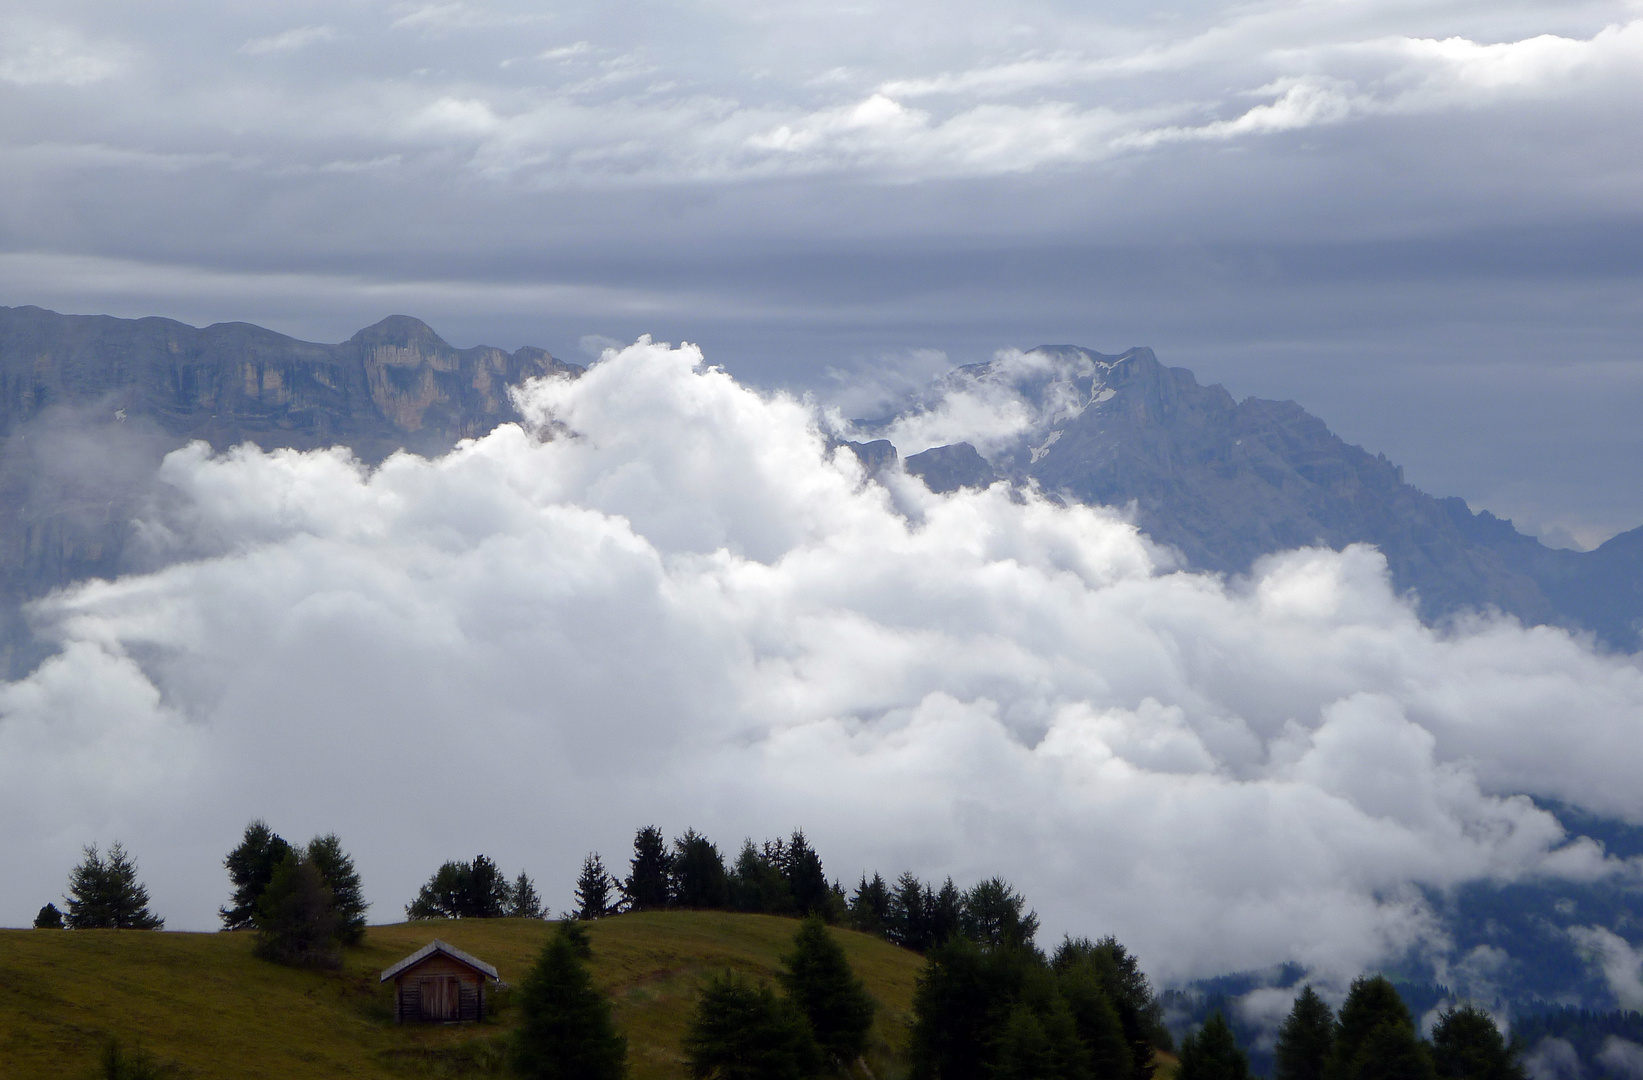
203, 1004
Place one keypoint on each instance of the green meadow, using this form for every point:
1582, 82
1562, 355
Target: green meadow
203, 1006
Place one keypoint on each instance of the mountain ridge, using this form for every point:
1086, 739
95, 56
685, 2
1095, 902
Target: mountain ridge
1225, 481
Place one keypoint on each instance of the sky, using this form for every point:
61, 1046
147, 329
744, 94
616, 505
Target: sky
1420, 220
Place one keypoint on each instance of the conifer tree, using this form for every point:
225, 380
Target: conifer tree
818, 977
757, 882
1372, 1002
870, 906
1096, 1022
250, 868
1126, 986
486, 892
805, 877
698, 876
593, 889
297, 920
1466, 1045
646, 886
565, 1027
1212, 1053
336, 869
745, 1032
104, 893
1306, 1039
945, 910
991, 916
909, 920
523, 900
49, 918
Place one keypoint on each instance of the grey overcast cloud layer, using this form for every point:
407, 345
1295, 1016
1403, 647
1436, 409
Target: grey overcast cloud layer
1422, 220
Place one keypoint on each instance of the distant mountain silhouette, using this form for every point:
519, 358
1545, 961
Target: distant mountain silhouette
89, 405
1227, 481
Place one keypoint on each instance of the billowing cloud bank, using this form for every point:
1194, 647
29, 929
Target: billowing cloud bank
669, 602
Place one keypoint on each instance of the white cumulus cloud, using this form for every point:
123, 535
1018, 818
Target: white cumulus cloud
664, 599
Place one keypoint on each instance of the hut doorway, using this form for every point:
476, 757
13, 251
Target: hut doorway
441, 998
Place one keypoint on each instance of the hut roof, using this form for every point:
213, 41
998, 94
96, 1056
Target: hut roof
440, 947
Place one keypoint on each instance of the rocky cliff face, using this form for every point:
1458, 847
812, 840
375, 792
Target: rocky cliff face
1227, 481
89, 405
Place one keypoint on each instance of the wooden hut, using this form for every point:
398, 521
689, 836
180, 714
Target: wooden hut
440, 983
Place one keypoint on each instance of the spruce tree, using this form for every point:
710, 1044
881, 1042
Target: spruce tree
646, 886
757, 883
805, 878
991, 916
1392, 1052
336, 869
565, 1027
523, 900
945, 910
1306, 1039
745, 1032
870, 906
1371, 1003
49, 918
1212, 1053
297, 921
698, 877
104, 893
1466, 1045
1126, 986
961, 1001
593, 889
1096, 1022
818, 978
485, 895
909, 918
250, 868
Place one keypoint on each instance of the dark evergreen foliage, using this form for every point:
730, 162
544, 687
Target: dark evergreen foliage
818, 978
1466, 1045
646, 886
757, 882
869, 907
49, 918
104, 893
462, 890
1372, 1002
1126, 986
1096, 1021
594, 888
699, 878
807, 882
565, 1027
523, 899
960, 1007
1306, 1040
1211, 1053
746, 1032
336, 869
992, 916
1391, 1051
250, 868
297, 922
908, 922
